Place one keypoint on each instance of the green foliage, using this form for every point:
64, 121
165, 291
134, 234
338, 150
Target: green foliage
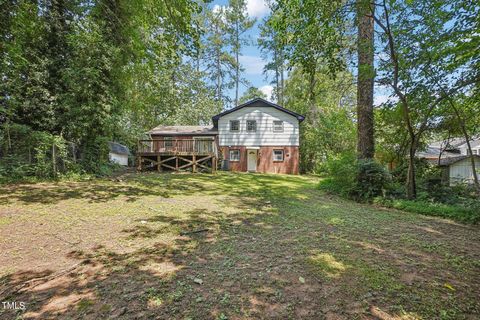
90, 72
361, 180
329, 127
371, 181
342, 171
469, 214
30, 154
250, 94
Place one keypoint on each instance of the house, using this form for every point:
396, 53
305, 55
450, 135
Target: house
453, 158
459, 169
257, 136
474, 144
118, 153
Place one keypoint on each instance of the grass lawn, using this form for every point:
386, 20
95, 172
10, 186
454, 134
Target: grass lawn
227, 246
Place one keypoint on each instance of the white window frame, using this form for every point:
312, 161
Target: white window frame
475, 151
232, 121
254, 127
277, 126
234, 159
275, 159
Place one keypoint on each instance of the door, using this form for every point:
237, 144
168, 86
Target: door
252, 160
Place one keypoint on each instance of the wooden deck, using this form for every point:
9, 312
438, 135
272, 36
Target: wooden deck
177, 154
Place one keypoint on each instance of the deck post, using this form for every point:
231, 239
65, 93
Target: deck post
159, 166
194, 167
176, 163
139, 165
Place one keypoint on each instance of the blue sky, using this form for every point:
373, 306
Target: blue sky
250, 59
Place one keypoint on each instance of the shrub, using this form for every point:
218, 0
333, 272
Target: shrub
360, 180
372, 180
341, 172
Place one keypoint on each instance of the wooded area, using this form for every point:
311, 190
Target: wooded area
76, 74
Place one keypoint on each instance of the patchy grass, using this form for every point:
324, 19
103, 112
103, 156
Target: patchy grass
227, 246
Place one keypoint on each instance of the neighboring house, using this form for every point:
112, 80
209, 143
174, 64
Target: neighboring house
257, 136
432, 154
451, 155
118, 153
459, 169
474, 144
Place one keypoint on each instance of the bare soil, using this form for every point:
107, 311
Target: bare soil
226, 246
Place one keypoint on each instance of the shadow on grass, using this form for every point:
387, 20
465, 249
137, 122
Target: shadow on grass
134, 186
286, 258
159, 281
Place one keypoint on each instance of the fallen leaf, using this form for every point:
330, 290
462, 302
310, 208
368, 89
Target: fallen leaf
449, 286
198, 281
301, 279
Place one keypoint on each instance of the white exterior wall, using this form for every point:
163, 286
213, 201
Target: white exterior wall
264, 136
121, 159
461, 171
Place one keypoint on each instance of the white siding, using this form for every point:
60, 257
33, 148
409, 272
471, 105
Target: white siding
121, 159
264, 136
461, 171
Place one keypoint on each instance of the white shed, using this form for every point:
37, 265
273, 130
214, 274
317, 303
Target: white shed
118, 153
459, 169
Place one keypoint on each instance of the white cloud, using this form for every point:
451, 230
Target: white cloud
252, 64
257, 8
268, 90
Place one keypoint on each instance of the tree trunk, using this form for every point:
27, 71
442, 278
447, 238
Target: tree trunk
277, 74
411, 185
366, 75
237, 66
472, 159
461, 122
282, 80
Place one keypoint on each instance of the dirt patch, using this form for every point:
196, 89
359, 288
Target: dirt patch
272, 247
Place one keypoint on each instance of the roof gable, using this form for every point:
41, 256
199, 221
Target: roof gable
257, 102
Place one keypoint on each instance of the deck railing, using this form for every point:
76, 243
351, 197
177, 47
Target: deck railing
177, 146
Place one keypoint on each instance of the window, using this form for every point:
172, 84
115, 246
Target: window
277, 126
475, 151
235, 155
251, 125
277, 155
234, 125
168, 141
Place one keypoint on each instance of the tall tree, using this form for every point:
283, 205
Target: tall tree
252, 93
239, 23
365, 78
219, 62
272, 49
421, 81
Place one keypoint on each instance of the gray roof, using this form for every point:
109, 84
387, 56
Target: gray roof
257, 102
449, 143
448, 161
118, 148
473, 143
433, 152
183, 130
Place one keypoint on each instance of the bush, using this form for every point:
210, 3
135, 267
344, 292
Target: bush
360, 180
372, 180
341, 172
